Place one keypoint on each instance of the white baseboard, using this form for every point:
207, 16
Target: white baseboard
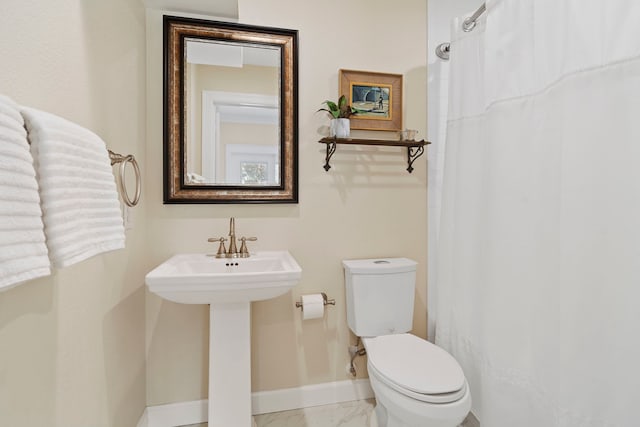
263, 402
177, 414
144, 419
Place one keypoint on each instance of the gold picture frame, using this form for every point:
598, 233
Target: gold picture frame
377, 95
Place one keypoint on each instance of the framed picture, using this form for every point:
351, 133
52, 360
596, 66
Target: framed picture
377, 96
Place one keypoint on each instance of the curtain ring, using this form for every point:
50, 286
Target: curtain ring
468, 25
123, 189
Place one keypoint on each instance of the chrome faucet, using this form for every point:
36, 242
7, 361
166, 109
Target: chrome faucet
233, 251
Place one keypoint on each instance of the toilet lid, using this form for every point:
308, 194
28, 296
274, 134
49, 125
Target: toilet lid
415, 364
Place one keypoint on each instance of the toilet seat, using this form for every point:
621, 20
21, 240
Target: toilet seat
416, 368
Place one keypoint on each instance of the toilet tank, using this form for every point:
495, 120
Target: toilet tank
380, 295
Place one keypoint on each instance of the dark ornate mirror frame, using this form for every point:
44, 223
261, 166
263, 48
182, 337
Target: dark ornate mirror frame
176, 30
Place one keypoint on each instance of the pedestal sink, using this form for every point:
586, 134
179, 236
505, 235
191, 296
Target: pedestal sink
228, 285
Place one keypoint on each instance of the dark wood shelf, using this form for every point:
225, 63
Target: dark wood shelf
414, 148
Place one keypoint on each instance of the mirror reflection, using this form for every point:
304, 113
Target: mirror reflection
233, 120
230, 116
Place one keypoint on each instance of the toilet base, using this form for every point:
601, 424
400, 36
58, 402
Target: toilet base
379, 413
396, 410
373, 422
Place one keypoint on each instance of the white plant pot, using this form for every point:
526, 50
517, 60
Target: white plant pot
340, 128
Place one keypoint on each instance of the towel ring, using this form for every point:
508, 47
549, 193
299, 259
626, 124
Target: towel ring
123, 160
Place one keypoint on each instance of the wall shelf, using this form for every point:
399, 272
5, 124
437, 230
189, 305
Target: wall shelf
415, 149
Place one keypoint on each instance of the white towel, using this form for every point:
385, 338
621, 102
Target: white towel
23, 253
80, 205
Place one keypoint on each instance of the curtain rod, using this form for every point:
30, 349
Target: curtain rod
470, 23
443, 49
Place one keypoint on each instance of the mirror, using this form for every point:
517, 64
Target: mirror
230, 113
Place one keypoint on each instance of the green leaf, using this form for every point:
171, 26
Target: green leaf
342, 102
333, 114
332, 105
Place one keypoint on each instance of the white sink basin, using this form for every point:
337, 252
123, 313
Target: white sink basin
228, 285
204, 279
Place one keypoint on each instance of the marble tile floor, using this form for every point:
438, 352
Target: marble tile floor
347, 414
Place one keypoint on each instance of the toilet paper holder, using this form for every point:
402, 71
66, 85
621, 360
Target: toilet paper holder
325, 301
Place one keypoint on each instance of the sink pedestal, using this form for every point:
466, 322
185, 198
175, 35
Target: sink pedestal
230, 365
228, 286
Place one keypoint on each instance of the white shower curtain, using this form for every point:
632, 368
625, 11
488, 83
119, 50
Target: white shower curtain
438, 97
539, 245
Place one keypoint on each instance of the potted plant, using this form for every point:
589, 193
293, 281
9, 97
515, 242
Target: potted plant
340, 113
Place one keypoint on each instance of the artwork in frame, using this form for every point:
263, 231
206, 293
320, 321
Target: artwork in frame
376, 96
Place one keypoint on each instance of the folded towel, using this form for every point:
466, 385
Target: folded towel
23, 253
80, 204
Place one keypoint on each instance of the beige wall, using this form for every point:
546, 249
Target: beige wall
367, 205
72, 345
248, 79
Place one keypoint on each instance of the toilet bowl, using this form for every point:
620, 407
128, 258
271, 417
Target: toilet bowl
416, 384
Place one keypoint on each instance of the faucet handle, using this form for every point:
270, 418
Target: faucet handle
244, 252
221, 249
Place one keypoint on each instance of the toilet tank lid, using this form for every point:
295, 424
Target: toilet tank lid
379, 265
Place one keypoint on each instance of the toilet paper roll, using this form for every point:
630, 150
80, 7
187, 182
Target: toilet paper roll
312, 306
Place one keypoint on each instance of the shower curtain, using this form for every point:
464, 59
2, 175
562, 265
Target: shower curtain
539, 245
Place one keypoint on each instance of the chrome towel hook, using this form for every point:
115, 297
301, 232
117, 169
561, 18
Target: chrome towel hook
123, 160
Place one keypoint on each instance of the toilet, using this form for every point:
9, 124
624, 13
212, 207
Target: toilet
416, 384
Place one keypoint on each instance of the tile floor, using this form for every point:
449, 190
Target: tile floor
348, 414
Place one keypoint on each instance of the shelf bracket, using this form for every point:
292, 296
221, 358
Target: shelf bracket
412, 154
415, 149
331, 148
